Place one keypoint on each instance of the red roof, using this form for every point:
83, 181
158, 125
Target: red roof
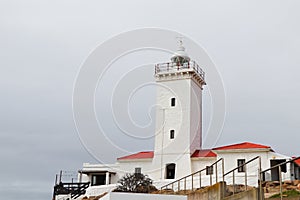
140, 155
203, 153
297, 161
244, 145
150, 154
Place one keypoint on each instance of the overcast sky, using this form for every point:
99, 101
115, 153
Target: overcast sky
255, 45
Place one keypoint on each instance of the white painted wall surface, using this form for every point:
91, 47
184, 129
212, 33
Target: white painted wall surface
63, 197
231, 157
99, 189
128, 166
138, 196
201, 163
184, 118
195, 116
176, 118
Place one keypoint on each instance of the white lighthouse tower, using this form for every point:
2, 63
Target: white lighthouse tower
178, 115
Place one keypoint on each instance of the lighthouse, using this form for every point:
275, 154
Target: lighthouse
178, 131
178, 149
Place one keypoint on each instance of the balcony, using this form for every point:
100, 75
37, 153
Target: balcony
171, 67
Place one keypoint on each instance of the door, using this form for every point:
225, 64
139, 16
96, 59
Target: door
275, 171
170, 171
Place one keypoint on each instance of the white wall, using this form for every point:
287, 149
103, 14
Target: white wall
99, 189
128, 166
231, 157
201, 163
230, 161
184, 118
176, 117
138, 196
195, 117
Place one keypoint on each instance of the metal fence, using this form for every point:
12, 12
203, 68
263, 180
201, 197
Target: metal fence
66, 176
248, 173
172, 66
204, 177
281, 167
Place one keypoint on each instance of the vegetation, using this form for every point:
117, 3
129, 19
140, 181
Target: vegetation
138, 183
288, 193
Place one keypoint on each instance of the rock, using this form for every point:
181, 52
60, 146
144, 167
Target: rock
290, 187
298, 186
272, 183
288, 182
296, 182
276, 183
266, 190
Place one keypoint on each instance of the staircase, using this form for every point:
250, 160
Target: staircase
74, 189
210, 183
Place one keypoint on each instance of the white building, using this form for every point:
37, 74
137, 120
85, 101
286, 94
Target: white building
178, 136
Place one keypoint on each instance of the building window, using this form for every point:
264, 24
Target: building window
241, 162
209, 170
170, 171
98, 179
172, 134
138, 170
173, 102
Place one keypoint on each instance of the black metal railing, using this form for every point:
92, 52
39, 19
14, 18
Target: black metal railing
74, 189
171, 66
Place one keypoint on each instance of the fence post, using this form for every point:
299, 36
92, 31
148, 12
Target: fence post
233, 182
280, 181
223, 170
192, 182
56, 179
245, 177
200, 179
60, 175
216, 172
224, 189
260, 180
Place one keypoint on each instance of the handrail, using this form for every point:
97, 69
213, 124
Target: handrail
276, 166
246, 175
280, 171
191, 175
163, 67
75, 189
242, 165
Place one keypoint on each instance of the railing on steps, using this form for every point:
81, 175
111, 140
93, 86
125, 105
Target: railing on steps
243, 174
279, 169
239, 178
195, 180
75, 189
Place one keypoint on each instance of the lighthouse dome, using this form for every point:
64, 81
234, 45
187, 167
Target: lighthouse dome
180, 56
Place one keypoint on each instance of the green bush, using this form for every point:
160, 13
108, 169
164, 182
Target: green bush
138, 183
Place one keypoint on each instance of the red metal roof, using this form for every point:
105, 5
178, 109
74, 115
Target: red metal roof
297, 161
150, 154
203, 153
244, 145
140, 155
